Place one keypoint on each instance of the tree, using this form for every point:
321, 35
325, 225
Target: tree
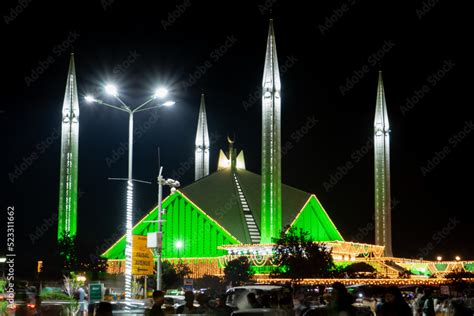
238, 271
173, 274
358, 269
62, 260
458, 276
297, 257
68, 252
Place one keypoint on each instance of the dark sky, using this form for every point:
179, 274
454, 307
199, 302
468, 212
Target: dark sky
138, 46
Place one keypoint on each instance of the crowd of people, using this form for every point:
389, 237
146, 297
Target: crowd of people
339, 303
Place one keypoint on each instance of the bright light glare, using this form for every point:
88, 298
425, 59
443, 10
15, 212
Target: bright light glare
439, 258
457, 258
161, 93
169, 103
89, 99
179, 244
111, 89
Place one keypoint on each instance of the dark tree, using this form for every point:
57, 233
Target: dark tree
68, 252
173, 274
238, 271
62, 260
297, 257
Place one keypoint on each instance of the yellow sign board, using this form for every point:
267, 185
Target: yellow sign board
142, 263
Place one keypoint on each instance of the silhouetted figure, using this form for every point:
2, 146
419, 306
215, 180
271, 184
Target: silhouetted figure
104, 309
460, 308
428, 304
221, 308
252, 300
204, 307
158, 300
187, 308
394, 304
341, 301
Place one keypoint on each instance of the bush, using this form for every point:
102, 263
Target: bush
54, 296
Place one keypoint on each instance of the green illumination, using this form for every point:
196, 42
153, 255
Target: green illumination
314, 219
469, 266
441, 266
67, 208
188, 232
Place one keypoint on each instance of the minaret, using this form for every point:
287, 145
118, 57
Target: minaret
271, 142
67, 211
201, 168
383, 222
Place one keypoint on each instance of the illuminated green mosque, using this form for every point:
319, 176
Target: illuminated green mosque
233, 211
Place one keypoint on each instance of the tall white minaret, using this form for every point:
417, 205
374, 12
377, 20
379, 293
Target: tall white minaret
271, 220
383, 221
201, 168
67, 210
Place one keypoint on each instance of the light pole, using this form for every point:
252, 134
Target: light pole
173, 184
159, 94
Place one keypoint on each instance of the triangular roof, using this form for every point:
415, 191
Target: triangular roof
216, 197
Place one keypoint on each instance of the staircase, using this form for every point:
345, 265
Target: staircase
249, 219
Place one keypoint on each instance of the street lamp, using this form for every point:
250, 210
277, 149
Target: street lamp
457, 258
112, 90
179, 246
439, 258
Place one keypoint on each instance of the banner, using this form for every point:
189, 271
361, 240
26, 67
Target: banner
142, 257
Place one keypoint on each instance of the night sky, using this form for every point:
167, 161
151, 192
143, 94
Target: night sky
329, 56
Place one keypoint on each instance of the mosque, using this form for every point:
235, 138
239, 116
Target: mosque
233, 211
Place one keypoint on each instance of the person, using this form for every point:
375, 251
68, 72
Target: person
203, 301
394, 304
341, 301
418, 302
221, 308
188, 307
82, 301
158, 300
104, 309
428, 304
460, 309
252, 300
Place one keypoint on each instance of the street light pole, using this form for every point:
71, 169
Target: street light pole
112, 90
160, 233
129, 215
